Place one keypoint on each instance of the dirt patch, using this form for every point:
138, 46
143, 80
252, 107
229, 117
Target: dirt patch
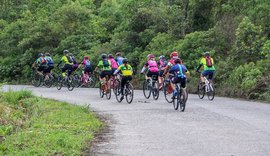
101, 139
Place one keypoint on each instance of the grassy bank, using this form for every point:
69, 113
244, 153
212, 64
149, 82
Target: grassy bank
37, 126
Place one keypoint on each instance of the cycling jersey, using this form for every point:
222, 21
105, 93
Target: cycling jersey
49, 60
205, 67
114, 63
41, 61
101, 65
153, 66
119, 60
126, 70
65, 60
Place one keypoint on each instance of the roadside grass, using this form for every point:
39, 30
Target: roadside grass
35, 126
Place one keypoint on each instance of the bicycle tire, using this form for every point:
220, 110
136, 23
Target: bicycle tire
175, 102
70, 84
182, 100
145, 89
36, 80
129, 93
108, 94
166, 93
116, 87
101, 93
211, 93
59, 84
155, 91
200, 90
92, 82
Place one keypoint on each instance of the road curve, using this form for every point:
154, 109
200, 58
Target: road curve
224, 126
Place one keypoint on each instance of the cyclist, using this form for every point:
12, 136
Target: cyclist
127, 72
68, 64
208, 67
41, 64
162, 65
87, 67
113, 62
179, 71
152, 65
49, 62
119, 58
106, 69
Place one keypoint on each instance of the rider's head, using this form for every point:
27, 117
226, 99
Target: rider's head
150, 56
174, 55
162, 57
177, 61
86, 57
110, 56
40, 54
118, 54
47, 54
104, 56
206, 54
125, 61
65, 52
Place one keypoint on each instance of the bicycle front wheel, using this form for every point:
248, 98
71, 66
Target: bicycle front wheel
211, 92
146, 90
176, 102
182, 100
129, 93
59, 83
70, 83
200, 90
155, 91
36, 80
168, 92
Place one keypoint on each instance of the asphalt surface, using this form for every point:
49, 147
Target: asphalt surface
225, 126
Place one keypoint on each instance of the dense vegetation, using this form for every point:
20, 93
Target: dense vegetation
236, 32
36, 126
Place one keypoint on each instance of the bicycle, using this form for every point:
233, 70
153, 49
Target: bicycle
167, 90
67, 81
151, 86
128, 92
207, 88
39, 78
88, 80
180, 98
104, 88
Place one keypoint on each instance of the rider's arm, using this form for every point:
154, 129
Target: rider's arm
198, 68
144, 67
59, 63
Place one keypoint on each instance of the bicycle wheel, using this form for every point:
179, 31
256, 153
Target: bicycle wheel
108, 94
59, 83
77, 81
182, 100
91, 81
155, 90
101, 92
36, 80
211, 92
200, 90
70, 83
49, 82
129, 93
168, 94
116, 87
146, 90
176, 101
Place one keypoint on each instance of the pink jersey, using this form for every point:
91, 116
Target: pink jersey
114, 63
153, 66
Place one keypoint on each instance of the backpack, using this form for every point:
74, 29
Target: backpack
208, 62
87, 63
70, 60
49, 60
42, 61
180, 73
106, 63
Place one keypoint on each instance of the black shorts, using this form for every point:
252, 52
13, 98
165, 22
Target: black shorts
182, 81
67, 67
104, 73
113, 70
154, 75
87, 70
42, 68
48, 69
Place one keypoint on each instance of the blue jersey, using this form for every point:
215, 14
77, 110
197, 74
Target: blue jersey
119, 60
178, 70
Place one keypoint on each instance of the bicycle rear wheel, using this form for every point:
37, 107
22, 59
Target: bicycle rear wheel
200, 90
101, 92
167, 93
176, 101
155, 91
59, 83
211, 93
36, 80
129, 93
108, 94
183, 100
146, 90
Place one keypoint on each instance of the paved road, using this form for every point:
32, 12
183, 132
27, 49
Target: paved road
224, 126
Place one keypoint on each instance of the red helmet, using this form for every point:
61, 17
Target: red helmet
150, 56
118, 54
173, 54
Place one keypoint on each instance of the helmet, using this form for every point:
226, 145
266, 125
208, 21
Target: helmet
47, 54
162, 57
86, 57
174, 54
104, 56
150, 56
110, 55
40, 54
65, 51
125, 60
206, 53
118, 54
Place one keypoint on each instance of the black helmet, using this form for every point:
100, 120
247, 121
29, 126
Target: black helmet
178, 60
40, 54
206, 53
110, 55
125, 60
65, 51
104, 56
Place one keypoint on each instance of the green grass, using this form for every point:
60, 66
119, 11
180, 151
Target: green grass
37, 126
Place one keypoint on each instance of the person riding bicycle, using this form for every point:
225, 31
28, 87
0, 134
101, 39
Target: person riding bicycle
162, 65
208, 67
127, 72
113, 62
50, 64
152, 66
179, 71
119, 59
106, 69
68, 64
86, 63
41, 64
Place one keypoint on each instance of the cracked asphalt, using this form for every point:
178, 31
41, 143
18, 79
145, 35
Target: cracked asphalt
226, 127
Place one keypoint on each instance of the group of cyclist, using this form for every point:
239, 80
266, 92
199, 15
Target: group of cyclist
109, 66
